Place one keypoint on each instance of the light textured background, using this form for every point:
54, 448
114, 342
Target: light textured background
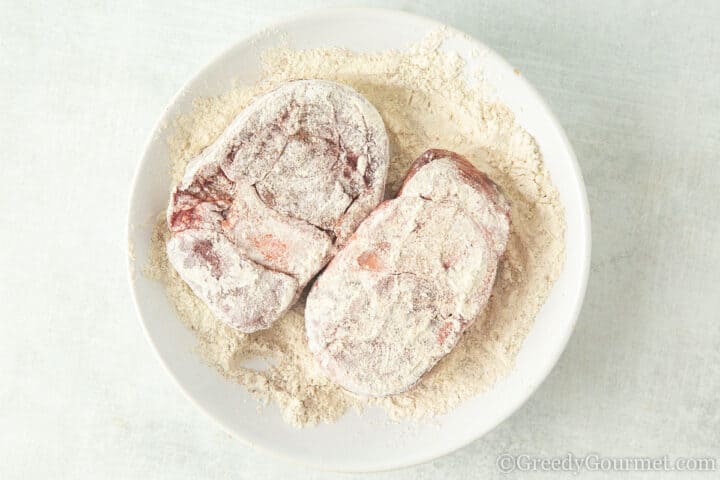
635, 84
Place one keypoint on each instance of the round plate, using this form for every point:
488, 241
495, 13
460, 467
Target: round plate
367, 442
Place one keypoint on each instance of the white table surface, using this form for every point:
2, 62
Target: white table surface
635, 84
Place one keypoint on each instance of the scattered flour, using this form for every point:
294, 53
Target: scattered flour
426, 101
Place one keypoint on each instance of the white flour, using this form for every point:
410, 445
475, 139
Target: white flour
425, 103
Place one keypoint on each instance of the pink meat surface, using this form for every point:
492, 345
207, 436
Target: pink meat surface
261, 210
414, 276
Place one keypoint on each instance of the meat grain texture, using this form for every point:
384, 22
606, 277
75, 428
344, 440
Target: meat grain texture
425, 99
263, 208
415, 275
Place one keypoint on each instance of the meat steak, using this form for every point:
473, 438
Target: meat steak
415, 275
262, 209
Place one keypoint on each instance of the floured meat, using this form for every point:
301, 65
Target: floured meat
416, 273
223, 277
261, 210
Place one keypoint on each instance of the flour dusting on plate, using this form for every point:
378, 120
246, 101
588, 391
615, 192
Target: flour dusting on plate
427, 100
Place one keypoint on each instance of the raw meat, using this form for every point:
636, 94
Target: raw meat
261, 210
415, 275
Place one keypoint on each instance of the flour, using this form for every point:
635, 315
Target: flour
426, 102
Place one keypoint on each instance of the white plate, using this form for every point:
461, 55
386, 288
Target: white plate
369, 442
